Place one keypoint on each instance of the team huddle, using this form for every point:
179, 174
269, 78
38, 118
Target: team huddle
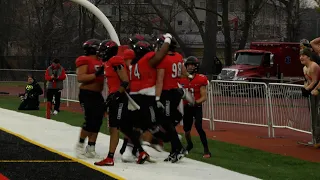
156, 78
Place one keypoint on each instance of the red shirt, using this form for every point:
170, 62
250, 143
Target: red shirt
172, 64
113, 80
93, 65
142, 75
195, 84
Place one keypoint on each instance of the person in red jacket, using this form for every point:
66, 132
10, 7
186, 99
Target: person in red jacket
55, 75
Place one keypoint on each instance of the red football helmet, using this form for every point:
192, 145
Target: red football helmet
107, 49
140, 49
91, 46
192, 60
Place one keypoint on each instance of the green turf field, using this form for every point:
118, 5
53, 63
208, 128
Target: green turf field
236, 158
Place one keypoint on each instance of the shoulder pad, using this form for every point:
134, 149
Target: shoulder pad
203, 77
82, 60
116, 60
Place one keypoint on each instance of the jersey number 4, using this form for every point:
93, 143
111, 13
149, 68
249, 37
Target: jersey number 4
176, 70
135, 72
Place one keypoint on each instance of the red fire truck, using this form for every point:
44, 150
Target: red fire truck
265, 61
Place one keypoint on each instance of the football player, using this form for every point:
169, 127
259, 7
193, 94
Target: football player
116, 103
90, 74
169, 95
143, 76
197, 86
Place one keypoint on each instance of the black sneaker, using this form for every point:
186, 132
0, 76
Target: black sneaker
170, 157
179, 155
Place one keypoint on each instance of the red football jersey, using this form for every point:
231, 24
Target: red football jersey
142, 75
113, 80
93, 65
194, 85
172, 64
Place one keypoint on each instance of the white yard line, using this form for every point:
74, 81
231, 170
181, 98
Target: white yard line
62, 137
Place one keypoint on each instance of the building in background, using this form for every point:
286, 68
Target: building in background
137, 16
269, 24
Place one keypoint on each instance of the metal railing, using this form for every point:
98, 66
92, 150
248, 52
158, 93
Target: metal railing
273, 105
276, 105
240, 102
289, 108
70, 89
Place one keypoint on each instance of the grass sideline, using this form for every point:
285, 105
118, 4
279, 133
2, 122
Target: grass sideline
244, 160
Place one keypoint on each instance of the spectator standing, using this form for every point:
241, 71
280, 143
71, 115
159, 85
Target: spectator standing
311, 72
55, 75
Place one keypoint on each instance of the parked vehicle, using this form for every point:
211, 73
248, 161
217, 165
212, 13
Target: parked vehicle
265, 62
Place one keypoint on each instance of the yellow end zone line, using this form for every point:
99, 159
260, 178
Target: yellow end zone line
64, 155
37, 161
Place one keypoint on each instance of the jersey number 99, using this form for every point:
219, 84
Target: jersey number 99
176, 70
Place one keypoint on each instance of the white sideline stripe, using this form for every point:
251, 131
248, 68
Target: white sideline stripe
62, 137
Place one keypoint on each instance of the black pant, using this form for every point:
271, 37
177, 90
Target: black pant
92, 104
145, 118
315, 116
29, 104
171, 100
57, 96
194, 113
118, 110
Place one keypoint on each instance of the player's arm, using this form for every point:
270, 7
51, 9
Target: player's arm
122, 73
203, 95
159, 55
159, 83
314, 75
82, 75
316, 45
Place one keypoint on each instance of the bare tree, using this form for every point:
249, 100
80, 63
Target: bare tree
292, 8
8, 21
251, 10
153, 16
210, 40
87, 23
46, 29
226, 32
8, 11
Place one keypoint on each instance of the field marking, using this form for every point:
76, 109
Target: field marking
37, 161
64, 155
